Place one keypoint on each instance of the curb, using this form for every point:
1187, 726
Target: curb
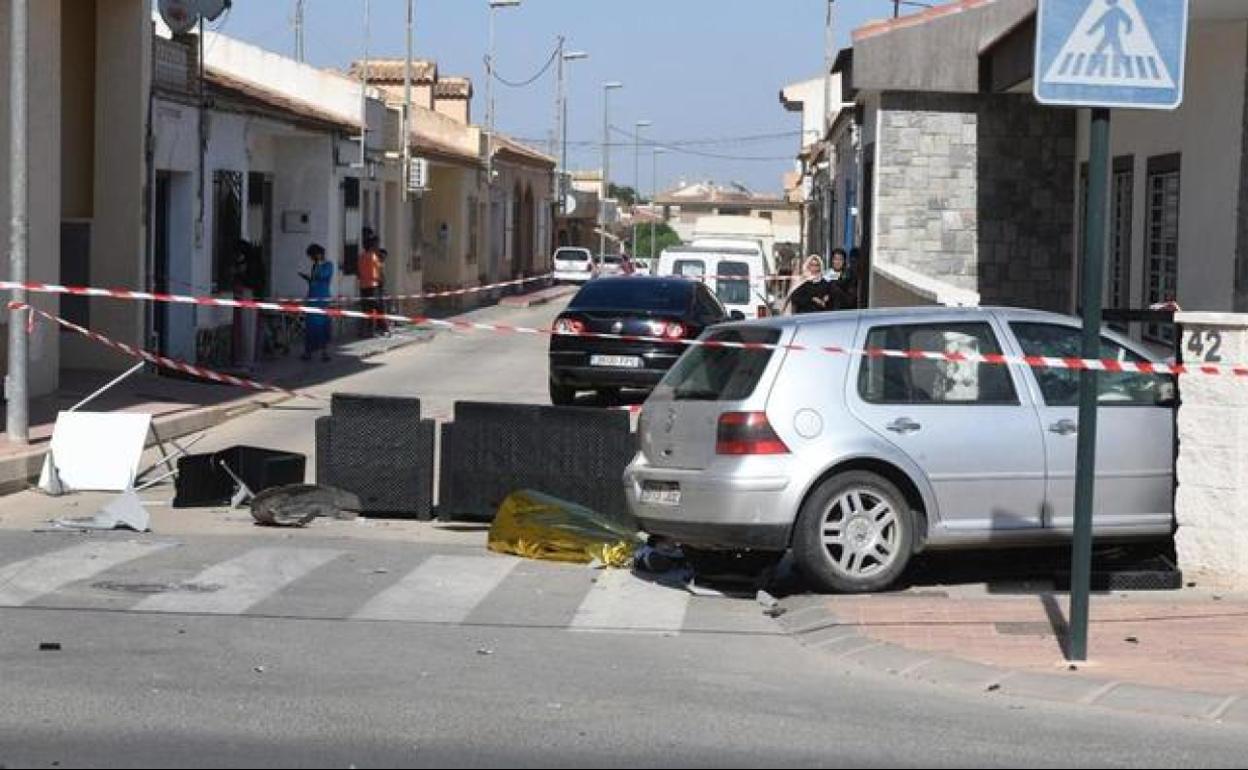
22, 471
537, 297
819, 629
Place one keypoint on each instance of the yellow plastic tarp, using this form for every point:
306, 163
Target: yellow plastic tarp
538, 526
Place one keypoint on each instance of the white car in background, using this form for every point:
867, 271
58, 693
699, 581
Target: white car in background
575, 265
610, 264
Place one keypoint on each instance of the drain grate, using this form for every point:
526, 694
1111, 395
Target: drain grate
1028, 628
157, 588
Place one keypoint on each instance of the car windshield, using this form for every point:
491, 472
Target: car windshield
719, 374
632, 294
730, 289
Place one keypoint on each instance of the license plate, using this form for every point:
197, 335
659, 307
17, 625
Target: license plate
660, 492
619, 362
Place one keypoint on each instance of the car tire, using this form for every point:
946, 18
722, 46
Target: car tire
561, 395
854, 534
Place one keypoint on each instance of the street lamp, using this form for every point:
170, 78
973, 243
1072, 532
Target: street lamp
489, 90
607, 88
637, 174
562, 118
654, 197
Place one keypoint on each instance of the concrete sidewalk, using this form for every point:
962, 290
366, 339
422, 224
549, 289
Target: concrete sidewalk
181, 406
1174, 653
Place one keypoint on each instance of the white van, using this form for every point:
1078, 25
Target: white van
735, 231
736, 275
575, 264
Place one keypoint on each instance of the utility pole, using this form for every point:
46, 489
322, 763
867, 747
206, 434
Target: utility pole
489, 91
637, 175
829, 58
364, 90
17, 420
562, 124
299, 22
605, 187
407, 106
654, 197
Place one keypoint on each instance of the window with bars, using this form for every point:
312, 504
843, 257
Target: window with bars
1161, 251
1118, 266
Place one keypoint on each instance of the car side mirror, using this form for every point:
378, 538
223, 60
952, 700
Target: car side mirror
736, 315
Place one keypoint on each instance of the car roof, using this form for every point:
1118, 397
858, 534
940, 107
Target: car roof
710, 250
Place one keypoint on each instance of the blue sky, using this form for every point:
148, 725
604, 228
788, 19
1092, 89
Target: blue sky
699, 69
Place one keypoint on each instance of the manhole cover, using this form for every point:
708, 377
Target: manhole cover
157, 588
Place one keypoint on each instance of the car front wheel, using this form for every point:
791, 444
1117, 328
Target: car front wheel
854, 534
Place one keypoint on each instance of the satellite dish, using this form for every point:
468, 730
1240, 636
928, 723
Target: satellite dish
211, 9
183, 15
180, 15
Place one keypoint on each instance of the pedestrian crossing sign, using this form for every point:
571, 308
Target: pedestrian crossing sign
1111, 53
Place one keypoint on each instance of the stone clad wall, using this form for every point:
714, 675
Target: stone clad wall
978, 192
1211, 502
925, 177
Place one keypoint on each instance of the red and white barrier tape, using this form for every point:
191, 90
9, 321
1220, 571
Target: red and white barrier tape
429, 294
155, 358
1040, 362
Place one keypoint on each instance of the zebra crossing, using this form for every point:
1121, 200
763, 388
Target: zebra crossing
420, 584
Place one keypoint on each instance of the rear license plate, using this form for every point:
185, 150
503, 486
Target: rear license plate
619, 362
660, 492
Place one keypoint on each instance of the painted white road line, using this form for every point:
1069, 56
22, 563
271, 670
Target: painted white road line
244, 581
443, 589
620, 601
26, 580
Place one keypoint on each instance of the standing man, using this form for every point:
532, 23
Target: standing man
368, 274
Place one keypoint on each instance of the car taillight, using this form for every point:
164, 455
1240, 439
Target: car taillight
569, 326
763, 311
671, 330
747, 433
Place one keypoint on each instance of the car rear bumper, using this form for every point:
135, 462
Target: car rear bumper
570, 363
715, 511
605, 376
575, 276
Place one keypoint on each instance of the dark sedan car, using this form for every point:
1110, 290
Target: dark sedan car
667, 308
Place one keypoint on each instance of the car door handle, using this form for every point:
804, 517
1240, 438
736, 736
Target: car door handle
1064, 427
903, 425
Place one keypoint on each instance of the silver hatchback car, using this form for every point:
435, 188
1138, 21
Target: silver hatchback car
857, 462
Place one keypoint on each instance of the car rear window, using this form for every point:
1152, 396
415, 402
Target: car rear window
612, 259
571, 255
625, 294
719, 374
729, 290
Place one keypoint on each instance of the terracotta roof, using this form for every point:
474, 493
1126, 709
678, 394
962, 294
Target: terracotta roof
296, 108
453, 88
391, 70
917, 19
510, 146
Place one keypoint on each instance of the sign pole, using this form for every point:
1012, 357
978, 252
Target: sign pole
1085, 473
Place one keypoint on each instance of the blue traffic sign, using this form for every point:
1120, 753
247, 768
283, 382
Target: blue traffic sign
1111, 53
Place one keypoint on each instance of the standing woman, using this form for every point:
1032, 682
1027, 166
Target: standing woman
316, 327
810, 294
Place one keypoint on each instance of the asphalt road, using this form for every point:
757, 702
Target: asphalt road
335, 646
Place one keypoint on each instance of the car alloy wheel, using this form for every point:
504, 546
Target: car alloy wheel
861, 533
